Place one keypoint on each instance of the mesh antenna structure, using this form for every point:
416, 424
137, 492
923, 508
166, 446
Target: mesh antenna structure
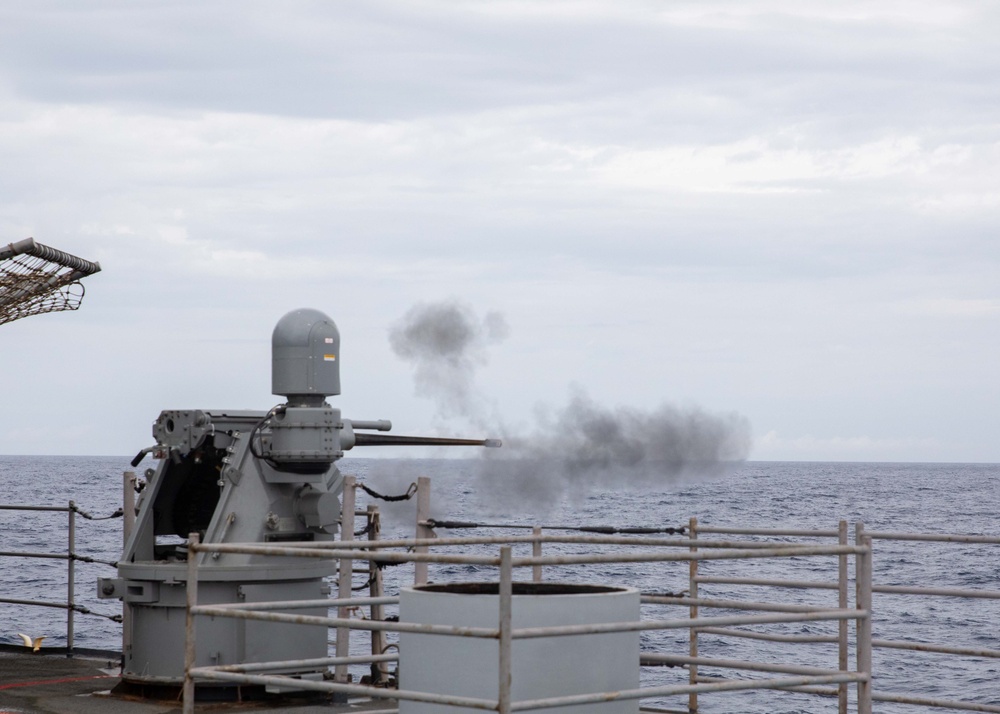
35, 279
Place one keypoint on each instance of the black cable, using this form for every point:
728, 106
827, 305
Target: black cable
603, 530
76, 509
646, 663
260, 425
404, 497
682, 593
383, 566
88, 559
85, 611
367, 529
627, 530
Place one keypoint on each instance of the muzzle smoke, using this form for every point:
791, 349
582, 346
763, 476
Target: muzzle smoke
575, 449
446, 343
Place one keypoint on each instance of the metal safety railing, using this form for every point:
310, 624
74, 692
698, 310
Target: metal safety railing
864, 595
626, 550
851, 581
933, 592
841, 586
70, 556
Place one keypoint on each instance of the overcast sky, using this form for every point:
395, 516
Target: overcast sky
786, 210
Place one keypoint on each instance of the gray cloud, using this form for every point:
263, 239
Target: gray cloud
684, 79
587, 446
785, 209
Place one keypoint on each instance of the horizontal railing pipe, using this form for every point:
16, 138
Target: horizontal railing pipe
756, 553
212, 611
304, 604
768, 636
796, 584
733, 604
27, 554
938, 649
304, 551
533, 632
38, 603
359, 689
934, 537
771, 532
804, 689
930, 702
669, 690
685, 623
940, 592
738, 664
302, 663
759, 551
254, 548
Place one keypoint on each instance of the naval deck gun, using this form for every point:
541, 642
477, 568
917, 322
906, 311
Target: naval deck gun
237, 476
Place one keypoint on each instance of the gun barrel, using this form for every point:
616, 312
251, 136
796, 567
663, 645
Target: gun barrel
376, 424
361, 439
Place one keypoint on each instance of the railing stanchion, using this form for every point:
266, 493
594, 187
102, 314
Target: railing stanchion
842, 601
375, 589
189, 629
693, 633
423, 513
346, 566
128, 505
536, 552
71, 580
128, 525
863, 601
505, 601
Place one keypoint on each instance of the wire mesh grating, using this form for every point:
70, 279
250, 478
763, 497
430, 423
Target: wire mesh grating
36, 279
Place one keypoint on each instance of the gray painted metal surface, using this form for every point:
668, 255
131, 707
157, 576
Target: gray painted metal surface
539, 668
221, 476
236, 476
305, 354
32, 247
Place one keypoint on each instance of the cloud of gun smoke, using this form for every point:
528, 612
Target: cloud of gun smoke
584, 445
587, 446
446, 343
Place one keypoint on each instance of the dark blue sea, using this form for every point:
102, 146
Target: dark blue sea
925, 498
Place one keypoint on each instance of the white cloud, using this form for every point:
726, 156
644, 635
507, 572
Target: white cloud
744, 15
732, 14
753, 165
953, 307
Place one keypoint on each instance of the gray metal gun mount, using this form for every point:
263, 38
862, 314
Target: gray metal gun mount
243, 477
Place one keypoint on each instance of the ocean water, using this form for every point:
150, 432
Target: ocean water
926, 498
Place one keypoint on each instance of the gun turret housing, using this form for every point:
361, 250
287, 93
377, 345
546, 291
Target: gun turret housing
305, 353
305, 370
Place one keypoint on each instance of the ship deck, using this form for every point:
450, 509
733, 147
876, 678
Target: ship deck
37, 683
